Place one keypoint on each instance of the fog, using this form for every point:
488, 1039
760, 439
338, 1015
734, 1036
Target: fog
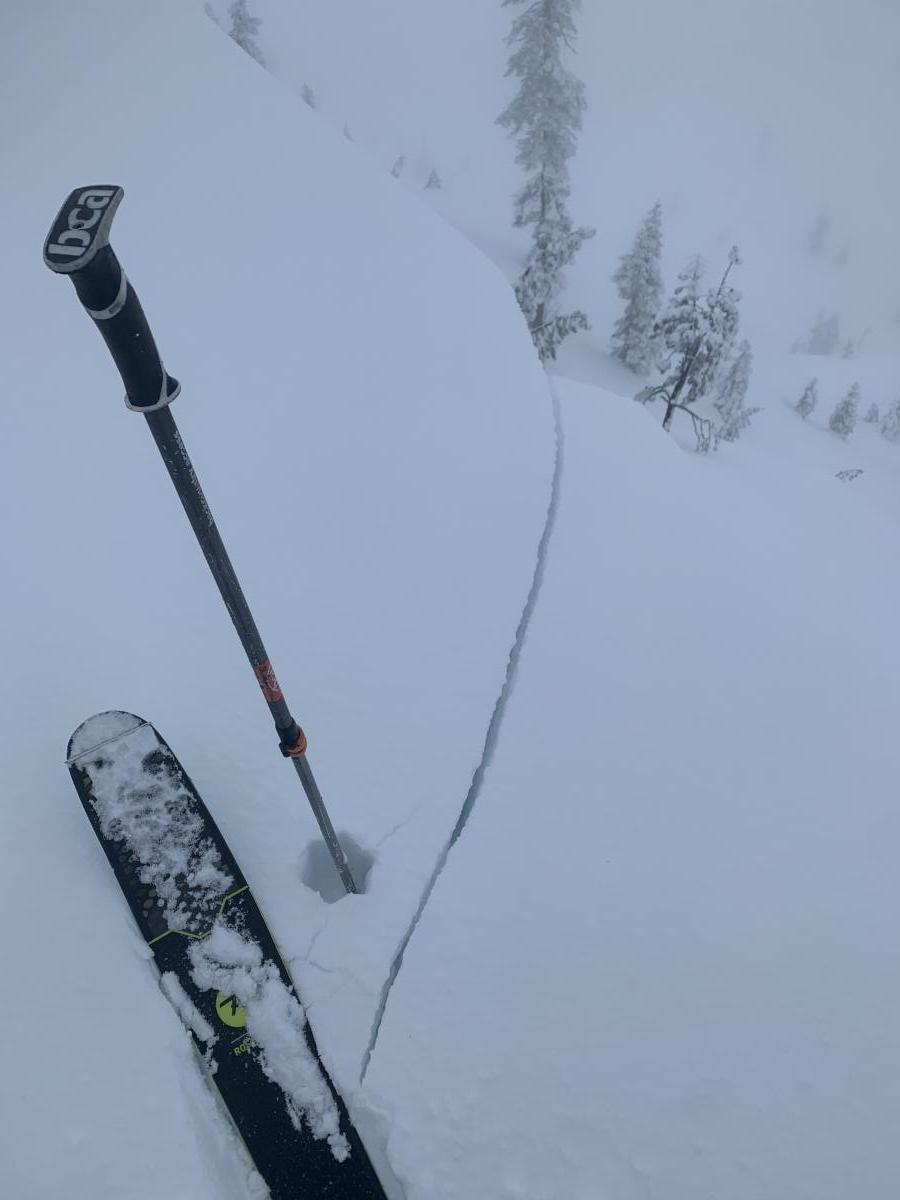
752, 120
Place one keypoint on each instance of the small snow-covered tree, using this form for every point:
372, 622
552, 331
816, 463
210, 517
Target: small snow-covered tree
244, 29
399, 166
433, 181
824, 335
843, 420
307, 95
639, 283
731, 405
211, 13
696, 333
849, 349
677, 332
872, 415
544, 117
809, 399
890, 425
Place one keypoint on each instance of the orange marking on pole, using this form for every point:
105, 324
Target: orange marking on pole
268, 681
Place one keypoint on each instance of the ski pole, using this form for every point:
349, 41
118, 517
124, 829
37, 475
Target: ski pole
78, 246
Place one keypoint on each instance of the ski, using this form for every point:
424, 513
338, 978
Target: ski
218, 963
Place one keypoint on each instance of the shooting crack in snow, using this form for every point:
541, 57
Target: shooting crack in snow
493, 730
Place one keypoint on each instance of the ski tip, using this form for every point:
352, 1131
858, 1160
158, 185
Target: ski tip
100, 729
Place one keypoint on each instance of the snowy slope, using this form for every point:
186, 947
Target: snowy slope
748, 119
362, 407
658, 963
680, 904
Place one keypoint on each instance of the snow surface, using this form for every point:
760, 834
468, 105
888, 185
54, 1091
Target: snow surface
190, 1014
660, 960
679, 904
748, 119
228, 961
154, 814
378, 458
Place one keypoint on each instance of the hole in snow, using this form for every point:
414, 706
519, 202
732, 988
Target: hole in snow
317, 870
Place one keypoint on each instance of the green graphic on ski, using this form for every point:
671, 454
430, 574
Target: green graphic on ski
218, 963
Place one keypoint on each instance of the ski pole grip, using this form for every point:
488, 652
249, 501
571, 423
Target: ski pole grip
78, 246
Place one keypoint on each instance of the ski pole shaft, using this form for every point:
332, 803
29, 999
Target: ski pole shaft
292, 740
78, 246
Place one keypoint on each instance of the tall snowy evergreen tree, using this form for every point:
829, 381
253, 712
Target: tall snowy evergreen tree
544, 117
244, 29
809, 399
640, 285
843, 420
696, 334
734, 415
890, 425
824, 335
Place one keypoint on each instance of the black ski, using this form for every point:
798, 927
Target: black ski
218, 962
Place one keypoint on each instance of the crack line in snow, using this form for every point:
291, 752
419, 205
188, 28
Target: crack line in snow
396, 829
493, 731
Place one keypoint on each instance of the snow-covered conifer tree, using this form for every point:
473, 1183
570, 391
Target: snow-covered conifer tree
307, 95
872, 416
890, 426
639, 282
809, 399
824, 335
244, 29
843, 420
399, 166
734, 415
696, 334
433, 181
544, 117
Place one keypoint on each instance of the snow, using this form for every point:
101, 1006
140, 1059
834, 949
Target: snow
190, 1014
676, 903
746, 119
658, 962
104, 728
144, 805
378, 458
140, 802
231, 962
